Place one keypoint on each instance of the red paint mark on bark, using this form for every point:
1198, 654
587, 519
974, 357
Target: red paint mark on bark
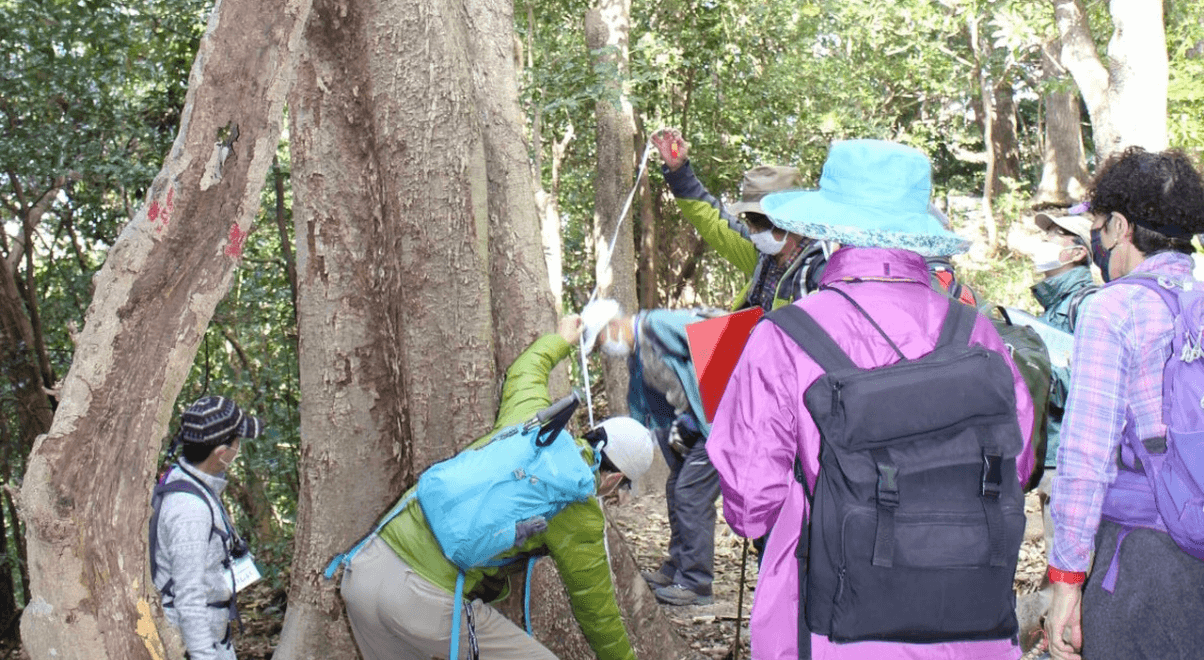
237, 237
160, 214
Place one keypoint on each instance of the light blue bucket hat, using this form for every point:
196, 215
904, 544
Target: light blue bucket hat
872, 194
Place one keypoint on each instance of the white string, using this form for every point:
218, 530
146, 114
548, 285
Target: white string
589, 399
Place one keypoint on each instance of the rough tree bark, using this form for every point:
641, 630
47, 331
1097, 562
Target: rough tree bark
86, 494
1126, 97
396, 335
606, 28
523, 308
1064, 162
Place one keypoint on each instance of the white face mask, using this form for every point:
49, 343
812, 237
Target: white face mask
765, 242
1047, 256
614, 347
226, 463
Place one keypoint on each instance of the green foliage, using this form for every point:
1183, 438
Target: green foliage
1185, 96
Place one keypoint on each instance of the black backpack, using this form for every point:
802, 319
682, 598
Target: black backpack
916, 520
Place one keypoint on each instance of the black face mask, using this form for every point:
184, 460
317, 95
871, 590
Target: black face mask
1098, 254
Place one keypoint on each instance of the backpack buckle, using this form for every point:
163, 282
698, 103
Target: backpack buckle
992, 474
888, 485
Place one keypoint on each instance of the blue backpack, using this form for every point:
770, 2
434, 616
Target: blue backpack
485, 501
1161, 484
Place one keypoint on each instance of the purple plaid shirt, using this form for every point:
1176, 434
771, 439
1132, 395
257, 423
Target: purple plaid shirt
1121, 344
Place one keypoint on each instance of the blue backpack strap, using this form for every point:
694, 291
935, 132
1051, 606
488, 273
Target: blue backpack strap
344, 558
456, 605
527, 595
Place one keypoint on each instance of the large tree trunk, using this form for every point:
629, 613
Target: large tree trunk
1064, 162
416, 232
86, 493
1005, 148
606, 28
1126, 98
392, 224
523, 308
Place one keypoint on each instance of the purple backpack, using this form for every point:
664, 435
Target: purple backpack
1160, 484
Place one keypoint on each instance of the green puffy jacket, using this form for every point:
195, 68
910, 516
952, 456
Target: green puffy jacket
575, 537
729, 237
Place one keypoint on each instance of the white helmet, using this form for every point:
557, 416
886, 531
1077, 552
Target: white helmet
629, 446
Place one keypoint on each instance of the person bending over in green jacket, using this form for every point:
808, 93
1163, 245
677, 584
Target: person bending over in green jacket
399, 587
783, 266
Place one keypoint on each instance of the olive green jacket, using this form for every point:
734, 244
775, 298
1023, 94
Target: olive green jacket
575, 537
729, 237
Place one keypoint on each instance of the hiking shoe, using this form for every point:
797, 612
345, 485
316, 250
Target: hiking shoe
679, 595
656, 579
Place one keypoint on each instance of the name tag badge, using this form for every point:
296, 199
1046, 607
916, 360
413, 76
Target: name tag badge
246, 572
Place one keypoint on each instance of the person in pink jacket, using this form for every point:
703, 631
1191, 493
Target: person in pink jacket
873, 200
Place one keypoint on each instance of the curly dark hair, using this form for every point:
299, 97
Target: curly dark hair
1153, 190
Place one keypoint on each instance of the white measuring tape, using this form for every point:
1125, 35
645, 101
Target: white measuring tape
589, 400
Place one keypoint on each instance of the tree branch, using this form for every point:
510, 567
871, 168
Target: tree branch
1078, 52
31, 216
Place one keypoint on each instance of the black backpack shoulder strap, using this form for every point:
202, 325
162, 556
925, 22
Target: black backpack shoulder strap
869, 318
958, 326
161, 491
812, 338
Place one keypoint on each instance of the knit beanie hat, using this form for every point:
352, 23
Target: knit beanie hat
216, 420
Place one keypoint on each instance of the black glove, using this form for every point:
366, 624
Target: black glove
684, 434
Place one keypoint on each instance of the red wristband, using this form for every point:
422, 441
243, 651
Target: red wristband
1066, 577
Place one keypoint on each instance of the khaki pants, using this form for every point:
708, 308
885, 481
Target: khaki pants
396, 613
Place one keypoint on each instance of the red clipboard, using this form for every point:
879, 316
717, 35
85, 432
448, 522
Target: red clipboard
715, 347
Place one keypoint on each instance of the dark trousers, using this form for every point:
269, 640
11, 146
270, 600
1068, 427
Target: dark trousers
1156, 611
690, 493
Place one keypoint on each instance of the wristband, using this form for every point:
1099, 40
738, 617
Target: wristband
1066, 577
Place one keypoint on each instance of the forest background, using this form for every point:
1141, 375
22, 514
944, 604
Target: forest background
1014, 100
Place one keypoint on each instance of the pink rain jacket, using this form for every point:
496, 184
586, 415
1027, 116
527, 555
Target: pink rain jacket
762, 424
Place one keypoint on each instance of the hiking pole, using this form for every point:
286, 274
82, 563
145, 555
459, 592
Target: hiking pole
589, 399
735, 652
